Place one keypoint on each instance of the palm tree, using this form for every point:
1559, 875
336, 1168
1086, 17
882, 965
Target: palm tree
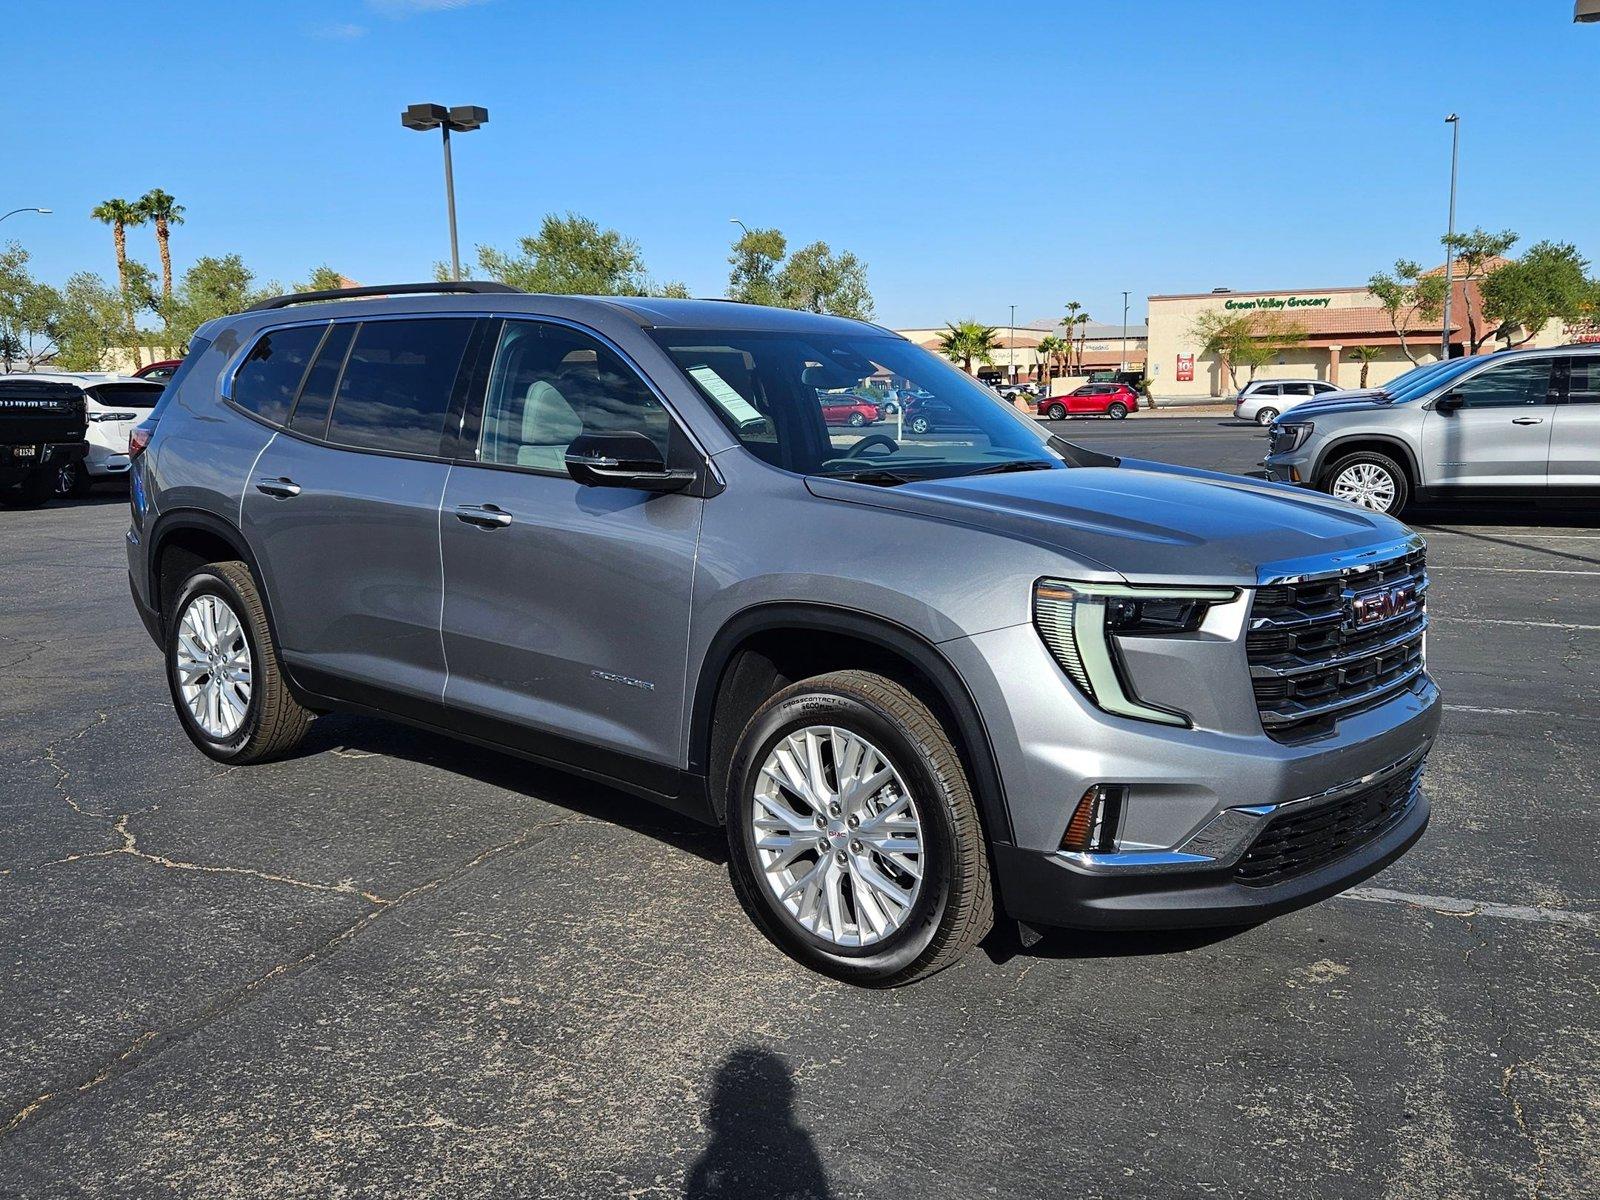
120, 214
967, 341
1049, 349
1082, 322
1366, 356
1067, 322
163, 209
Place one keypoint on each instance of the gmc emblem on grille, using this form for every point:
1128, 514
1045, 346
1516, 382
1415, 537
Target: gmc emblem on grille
1383, 605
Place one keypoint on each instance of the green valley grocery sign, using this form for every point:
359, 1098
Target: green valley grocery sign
1279, 302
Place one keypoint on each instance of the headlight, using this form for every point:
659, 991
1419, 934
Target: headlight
1081, 622
1290, 437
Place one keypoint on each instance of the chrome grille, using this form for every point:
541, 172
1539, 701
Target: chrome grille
1328, 645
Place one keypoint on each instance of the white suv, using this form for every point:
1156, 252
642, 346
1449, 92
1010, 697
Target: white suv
1261, 400
114, 404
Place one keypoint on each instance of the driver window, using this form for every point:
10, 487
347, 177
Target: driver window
1509, 386
550, 384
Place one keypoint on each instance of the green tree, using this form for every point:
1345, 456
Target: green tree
1406, 295
28, 311
1069, 323
1248, 340
89, 322
1550, 280
212, 287
755, 261
1050, 349
121, 215
573, 256
1366, 356
1082, 322
1477, 256
815, 279
967, 341
323, 279
163, 210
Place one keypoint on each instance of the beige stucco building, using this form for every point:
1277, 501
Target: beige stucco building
1095, 348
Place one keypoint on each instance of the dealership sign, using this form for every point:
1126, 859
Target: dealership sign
1279, 302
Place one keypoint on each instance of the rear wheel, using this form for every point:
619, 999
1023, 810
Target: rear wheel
857, 420
1370, 480
1266, 416
1055, 412
854, 838
920, 425
1117, 411
223, 672
73, 480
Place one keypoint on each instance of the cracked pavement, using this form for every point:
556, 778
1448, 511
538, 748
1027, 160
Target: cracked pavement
398, 965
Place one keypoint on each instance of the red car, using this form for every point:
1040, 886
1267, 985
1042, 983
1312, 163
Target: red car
1114, 400
159, 372
844, 409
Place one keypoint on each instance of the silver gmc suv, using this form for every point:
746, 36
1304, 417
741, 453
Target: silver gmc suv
1517, 423
923, 680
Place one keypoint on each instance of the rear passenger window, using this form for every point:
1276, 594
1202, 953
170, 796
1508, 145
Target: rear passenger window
397, 382
1583, 382
316, 397
270, 375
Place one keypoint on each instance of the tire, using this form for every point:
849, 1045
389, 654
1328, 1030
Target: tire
1365, 478
1118, 411
920, 425
73, 480
1055, 412
273, 722
857, 420
1266, 416
950, 908
35, 489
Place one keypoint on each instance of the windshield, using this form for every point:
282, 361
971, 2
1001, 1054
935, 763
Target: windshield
818, 404
1424, 379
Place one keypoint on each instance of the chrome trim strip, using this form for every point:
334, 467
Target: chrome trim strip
1416, 629
1273, 717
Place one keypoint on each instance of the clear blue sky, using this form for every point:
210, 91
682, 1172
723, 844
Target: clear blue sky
973, 155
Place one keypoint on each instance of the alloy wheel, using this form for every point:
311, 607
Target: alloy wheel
838, 836
214, 667
1367, 485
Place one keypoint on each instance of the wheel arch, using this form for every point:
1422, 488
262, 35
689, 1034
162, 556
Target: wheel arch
1355, 443
762, 649
195, 536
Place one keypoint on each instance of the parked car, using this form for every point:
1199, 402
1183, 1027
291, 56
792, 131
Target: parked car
159, 372
42, 432
849, 409
1262, 400
113, 405
1517, 423
1114, 400
927, 413
922, 685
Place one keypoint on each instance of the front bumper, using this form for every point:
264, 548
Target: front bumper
1292, 466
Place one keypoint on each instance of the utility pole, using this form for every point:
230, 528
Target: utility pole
1124, 367
1449, 246
1011, 349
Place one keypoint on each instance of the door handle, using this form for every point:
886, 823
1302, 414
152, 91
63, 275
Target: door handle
485, 516
280, 487
1527, 420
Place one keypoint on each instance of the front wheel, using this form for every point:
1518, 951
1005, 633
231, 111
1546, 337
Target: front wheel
857, 420
1266, 416
920, 425
223, 672
1117, 411
1368, 480
1055, 412
854, 838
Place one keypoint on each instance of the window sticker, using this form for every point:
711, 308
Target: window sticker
720, 390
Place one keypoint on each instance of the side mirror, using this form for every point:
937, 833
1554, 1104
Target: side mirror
1449, 402
625, 460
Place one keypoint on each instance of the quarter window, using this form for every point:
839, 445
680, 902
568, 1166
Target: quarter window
1513, 385
316, 395
1583, 380
396, 388
550, 384
270, 375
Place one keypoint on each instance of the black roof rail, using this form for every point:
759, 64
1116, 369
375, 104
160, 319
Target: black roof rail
471, 286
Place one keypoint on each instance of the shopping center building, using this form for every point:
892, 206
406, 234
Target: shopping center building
1096, 347
1335, 321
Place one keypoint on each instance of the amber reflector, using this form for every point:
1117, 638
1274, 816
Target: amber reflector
1081, 828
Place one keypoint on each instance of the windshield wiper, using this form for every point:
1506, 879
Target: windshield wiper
1020, 464
873, 475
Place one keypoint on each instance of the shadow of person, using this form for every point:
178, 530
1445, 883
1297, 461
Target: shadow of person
756, 1149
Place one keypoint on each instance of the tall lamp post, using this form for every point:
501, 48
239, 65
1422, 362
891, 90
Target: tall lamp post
1449, 246
1011, 348
740, 224
1124, 367
463, 118
15, 211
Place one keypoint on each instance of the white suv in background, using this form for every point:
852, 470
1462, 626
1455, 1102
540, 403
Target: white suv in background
1261, 400
114, 404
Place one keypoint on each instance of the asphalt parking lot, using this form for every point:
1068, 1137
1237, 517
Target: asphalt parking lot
395, 965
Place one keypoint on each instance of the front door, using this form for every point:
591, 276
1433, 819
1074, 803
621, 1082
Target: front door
566, 608
1575, 440
1500, 436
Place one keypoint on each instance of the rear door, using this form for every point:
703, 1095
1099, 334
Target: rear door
342, 508
1575, 436
566, 608
1500, 436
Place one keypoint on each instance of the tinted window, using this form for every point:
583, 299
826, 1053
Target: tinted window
270, 375
1583, 384
550, 384
395, 391
127, 395
1266, 389
316, 397
1297, 389
1514, 384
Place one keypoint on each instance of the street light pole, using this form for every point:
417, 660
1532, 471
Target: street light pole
1449, 246
463, 118
740, 224
1124, 367
1011, 348
15, 211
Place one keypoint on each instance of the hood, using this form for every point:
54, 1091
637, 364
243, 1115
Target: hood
1148, 522
1367, 401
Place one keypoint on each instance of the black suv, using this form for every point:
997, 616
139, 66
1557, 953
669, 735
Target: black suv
42, 430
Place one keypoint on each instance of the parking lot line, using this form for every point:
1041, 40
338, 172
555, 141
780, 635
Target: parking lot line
1454, 906
1521, 624
1512, 712
1509, 570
